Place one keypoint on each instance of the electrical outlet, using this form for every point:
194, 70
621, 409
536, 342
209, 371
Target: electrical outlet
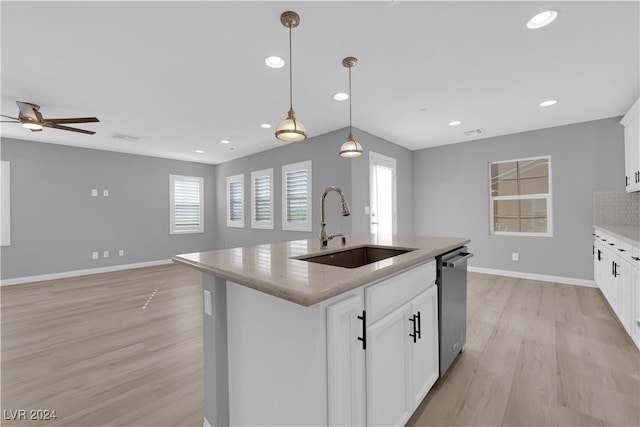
207, 303
105, 193
94, 192
515, 256
94, 255
105, 254
121, 252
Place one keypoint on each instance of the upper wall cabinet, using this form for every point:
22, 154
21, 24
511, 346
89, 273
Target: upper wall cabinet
631, 123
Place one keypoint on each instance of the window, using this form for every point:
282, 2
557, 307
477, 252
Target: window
235, 201
5, 230
186, 204
521, 197
262, 199
296, 196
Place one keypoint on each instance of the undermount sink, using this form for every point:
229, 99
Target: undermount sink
356, 257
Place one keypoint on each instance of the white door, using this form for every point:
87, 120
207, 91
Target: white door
346, 380
382, 182
387, 369
424, 352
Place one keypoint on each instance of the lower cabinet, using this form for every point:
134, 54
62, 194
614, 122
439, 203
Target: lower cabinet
383, 353
402, 360
366, 357
617, 272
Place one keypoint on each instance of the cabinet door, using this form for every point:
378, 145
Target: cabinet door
388, 359
625, 278
424, 352
635, 306
631, 156
345, 354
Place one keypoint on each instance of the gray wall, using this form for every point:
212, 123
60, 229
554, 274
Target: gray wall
56, 224
451, 189
328, 168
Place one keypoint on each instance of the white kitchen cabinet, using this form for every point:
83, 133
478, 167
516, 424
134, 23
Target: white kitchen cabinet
388, 359
635, 297
631, 123
346, 364
617, 273
402, 360
424, 354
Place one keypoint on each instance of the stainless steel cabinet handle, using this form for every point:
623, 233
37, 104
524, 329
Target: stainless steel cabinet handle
462, 258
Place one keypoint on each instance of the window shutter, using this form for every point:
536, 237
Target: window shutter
187, 203
262, 195
297, 189
235, 201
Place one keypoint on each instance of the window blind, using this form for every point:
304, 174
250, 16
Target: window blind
296, 193
235, 200
262, 198
187, 203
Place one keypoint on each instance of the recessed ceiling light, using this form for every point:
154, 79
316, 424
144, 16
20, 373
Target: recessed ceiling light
224, 141
542, 19
341, 96
199, 151
548, 102
274, 62
455, 123
265, 125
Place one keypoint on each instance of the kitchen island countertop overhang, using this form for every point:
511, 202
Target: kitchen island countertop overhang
273, 268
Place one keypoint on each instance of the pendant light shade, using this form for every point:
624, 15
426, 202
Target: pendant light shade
290, 129
351, 147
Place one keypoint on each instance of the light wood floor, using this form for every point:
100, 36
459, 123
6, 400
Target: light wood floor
86, 348
537, 354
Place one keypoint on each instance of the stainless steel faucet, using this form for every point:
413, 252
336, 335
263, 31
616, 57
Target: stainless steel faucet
324, 237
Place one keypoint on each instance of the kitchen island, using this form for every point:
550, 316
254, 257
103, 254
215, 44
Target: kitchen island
286, 338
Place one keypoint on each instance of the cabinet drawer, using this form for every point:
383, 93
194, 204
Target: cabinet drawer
389, 294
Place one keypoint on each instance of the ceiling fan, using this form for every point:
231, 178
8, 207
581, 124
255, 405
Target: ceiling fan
31, 118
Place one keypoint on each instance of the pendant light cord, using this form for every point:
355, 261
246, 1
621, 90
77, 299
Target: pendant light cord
290, 72
349, 100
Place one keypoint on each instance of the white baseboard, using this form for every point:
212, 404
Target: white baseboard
533, 276
67, 274
206, 423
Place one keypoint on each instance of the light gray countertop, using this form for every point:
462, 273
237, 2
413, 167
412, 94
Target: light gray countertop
630, 234
270, 268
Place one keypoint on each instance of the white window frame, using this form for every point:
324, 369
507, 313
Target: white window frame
237, 223
547, 196
297, 226
267, 225
173, 227
5, 203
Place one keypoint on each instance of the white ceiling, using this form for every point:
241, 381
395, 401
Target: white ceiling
184, 75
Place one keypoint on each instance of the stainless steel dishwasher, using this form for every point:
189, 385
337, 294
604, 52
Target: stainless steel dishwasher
452, 304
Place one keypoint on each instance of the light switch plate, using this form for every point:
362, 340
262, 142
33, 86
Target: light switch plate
94, 192
105, 193
207, 303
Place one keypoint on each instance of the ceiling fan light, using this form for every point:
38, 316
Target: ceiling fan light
32, 126
290, 129
351, 147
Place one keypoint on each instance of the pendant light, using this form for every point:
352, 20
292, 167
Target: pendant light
351, 147
290, 129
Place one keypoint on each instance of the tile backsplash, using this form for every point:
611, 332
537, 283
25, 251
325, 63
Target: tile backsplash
616, 208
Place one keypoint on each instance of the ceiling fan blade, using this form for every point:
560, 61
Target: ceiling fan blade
73, 120
55, 126
9, 117
7, 121
28, 109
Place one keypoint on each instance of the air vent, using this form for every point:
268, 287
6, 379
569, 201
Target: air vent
474, 132
124, 137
